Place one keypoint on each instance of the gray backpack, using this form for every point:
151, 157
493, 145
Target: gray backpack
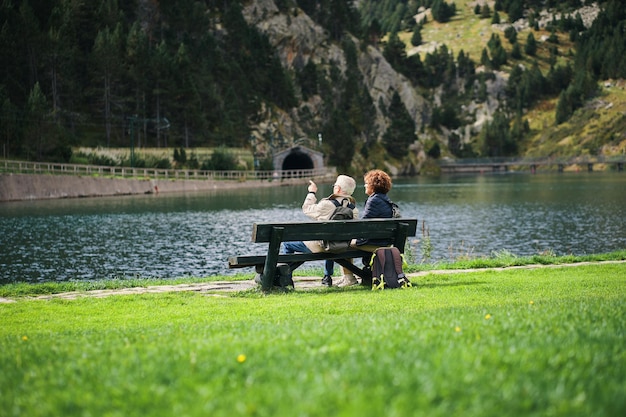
344, 210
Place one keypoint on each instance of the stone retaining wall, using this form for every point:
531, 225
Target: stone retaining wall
15, 187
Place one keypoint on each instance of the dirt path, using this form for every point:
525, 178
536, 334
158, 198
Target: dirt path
215, 288
223, 288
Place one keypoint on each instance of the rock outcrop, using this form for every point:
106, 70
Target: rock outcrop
298, 40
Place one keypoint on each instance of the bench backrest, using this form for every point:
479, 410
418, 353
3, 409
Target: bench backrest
335, 229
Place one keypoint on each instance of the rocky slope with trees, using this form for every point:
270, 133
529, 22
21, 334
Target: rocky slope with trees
370, 78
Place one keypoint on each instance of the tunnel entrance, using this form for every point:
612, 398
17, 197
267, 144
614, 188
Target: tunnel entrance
297, 160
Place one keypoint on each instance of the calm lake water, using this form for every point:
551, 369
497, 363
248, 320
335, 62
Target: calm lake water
174, 235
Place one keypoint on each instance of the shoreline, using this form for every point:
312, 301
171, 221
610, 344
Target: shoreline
24, 187
222, 288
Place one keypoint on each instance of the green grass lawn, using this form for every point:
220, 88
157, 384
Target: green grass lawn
544, 342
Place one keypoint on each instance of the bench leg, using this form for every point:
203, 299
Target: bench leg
400, 240
269, 271
295, 265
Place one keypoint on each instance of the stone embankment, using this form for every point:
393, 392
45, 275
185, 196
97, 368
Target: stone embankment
17, 187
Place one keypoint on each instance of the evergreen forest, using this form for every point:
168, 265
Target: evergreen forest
193, 73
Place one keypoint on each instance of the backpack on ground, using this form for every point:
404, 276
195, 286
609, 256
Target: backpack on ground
386, 265
283, 279
344, 210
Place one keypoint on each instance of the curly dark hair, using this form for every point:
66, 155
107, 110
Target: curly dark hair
379, 180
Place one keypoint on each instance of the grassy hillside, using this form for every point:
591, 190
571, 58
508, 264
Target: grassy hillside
599, 125
598, 128
468, 32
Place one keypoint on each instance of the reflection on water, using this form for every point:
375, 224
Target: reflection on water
171, 235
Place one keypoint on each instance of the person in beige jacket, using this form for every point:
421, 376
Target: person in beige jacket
322, 210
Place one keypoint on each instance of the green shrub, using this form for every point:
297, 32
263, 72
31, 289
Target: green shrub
221, 160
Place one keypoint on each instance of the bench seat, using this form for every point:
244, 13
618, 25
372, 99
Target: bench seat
259, 260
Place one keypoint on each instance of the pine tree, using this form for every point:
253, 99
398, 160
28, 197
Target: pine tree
484, 58
395, 52
516, 52
515, 10
374, 32
485, 12
496, 137
416, 38
564, 108
35, 138
9, 128
510, 33
401, 132
531, 45
106, 56
339, 135
137, 58
497, 51
442, 11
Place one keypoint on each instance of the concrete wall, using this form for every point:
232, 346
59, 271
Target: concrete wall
14, 187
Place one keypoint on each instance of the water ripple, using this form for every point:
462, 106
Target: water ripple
194, 234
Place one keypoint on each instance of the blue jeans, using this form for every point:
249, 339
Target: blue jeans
300, 247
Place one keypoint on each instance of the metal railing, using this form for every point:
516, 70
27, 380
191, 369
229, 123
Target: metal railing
583, 159
23, 167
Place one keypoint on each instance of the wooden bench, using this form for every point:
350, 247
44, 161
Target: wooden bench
395, 230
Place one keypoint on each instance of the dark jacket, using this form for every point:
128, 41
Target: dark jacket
377, 206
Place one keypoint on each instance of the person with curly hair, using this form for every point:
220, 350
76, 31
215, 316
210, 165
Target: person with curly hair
378, 206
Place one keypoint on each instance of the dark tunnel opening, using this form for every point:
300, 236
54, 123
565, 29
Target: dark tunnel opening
297, 160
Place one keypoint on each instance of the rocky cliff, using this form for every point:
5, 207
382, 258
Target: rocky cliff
298, 40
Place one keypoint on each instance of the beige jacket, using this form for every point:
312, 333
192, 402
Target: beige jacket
322, 210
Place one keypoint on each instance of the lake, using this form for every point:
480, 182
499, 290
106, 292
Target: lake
174, 235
